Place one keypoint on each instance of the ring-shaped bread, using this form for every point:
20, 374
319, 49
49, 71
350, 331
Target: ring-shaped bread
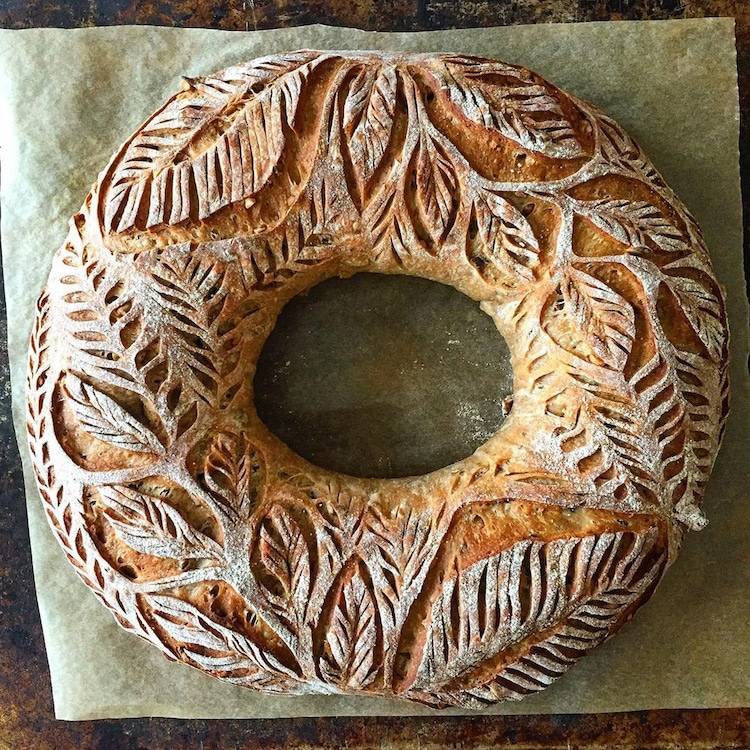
480, 582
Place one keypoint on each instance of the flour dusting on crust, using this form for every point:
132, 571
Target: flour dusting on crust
480, 582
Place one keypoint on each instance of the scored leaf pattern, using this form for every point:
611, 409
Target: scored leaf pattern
503, 238
401, 558
667, 422
233, 474
153, 527
369, 111
187, 357
603, 319
349, 660
436, 189
622, 152
284, 553
391, 223
612, 448
521, 108
633, 223
101, 416
164, 166
703, 311
218, 649
547, 660
334, 163
704, 391
490, 606
103, 318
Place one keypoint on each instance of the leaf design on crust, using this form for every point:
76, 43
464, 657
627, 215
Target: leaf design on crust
219, 650
349, 656
390, 224
102, 417
667, 422
503, 237
165, 165
608, 444
622, 151
369, 110
339, 525
520, 107
435, 196
703, 310
403, 548
199, 327
633, 223
704, 391
234, 473
603, 319
284, 552
103, 315
550, 602
153, 527
618, 442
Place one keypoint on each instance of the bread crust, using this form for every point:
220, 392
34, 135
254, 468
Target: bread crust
480, 582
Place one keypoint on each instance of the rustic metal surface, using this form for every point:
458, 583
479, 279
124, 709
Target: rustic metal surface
26, 717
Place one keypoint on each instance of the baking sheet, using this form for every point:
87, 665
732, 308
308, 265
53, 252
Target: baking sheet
68, 98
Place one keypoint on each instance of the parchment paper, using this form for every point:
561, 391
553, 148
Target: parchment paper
69, 98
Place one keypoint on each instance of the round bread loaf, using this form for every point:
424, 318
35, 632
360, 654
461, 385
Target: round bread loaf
479, 582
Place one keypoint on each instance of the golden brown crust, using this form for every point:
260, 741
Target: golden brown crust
482, 581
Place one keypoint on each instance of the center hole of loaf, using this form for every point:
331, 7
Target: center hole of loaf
383, 376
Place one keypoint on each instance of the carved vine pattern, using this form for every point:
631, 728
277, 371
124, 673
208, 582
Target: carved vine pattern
153, 343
